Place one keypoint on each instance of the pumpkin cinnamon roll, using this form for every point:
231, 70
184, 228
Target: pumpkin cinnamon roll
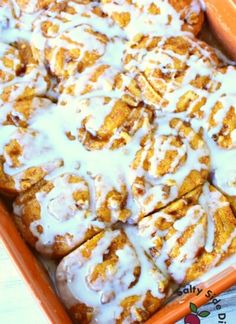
69, 53
106, 122
145, 17
104, 115
56, 214
172, 161
220, 111
20, 75
173, 74
192, 235
26, 156
110, 278
72, 37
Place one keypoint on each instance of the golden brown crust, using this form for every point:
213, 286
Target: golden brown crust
35, 215
165, 154
131, 300
160, 66
17, 156
203, 213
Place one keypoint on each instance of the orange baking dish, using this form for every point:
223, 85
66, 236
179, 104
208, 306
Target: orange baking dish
220, 14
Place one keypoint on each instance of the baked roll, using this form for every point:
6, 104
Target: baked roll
145, 17
73, 36
101, 122
104, 114
20, 75
220, 110
110, 279
69, 53
218, 120
192, 235
172, 161
26, 156
173, 74
56, 214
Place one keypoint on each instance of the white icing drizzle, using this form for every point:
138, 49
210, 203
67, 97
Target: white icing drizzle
8, 53
105, 295
209, 202
154, 191
187, 252
75, 218
33, 82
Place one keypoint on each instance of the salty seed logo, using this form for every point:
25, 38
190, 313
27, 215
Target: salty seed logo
194, 317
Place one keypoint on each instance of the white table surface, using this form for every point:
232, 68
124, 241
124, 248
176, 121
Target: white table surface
17, 306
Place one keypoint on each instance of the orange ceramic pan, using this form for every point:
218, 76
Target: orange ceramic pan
222, 18
221, 15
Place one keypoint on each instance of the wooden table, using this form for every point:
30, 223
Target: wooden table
17, 305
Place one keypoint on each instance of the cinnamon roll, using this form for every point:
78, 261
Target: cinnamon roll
172, 161
73, 36
20, 75
56, 214
110, 278
104, 115
173, 73
26, 156
191, 235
